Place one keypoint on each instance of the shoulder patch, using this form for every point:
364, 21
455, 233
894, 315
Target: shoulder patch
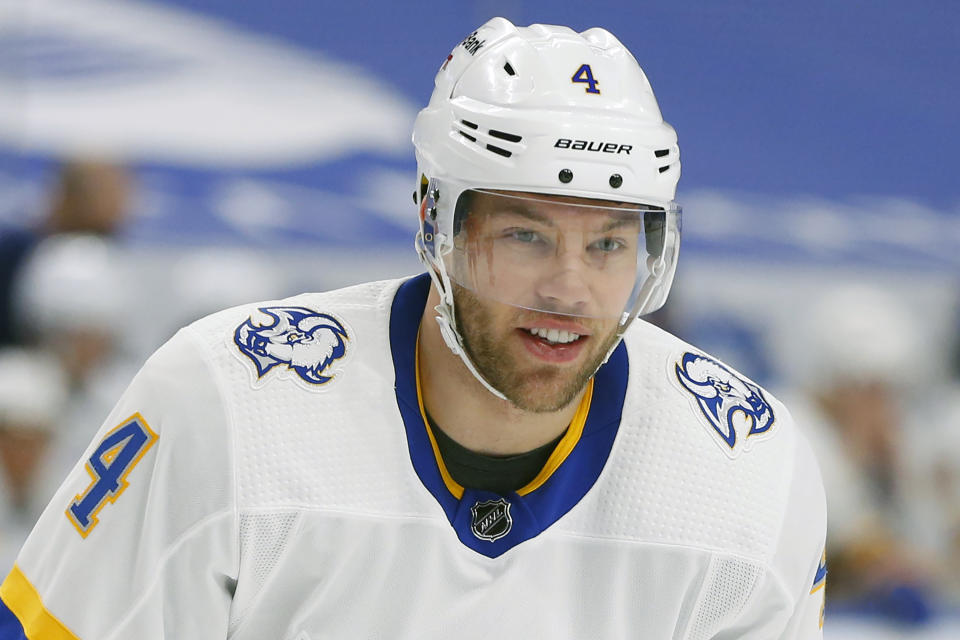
734, 409
295, 342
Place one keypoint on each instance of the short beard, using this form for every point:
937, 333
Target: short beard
543, 390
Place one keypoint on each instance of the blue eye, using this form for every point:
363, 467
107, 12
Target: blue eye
523, 235
608, 245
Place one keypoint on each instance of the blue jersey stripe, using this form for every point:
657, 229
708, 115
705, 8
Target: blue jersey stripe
10, 627
23, 615
821, 576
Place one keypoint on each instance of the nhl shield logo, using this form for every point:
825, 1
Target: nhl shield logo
491, 519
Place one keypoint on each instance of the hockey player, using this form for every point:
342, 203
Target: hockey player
494, 449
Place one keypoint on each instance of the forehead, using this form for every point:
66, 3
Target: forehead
549, 206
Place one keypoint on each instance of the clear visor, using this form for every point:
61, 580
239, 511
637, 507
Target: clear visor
559, 254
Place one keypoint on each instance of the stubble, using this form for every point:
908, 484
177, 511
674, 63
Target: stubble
537, 389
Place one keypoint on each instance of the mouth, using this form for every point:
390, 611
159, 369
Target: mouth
555, 336
554, 342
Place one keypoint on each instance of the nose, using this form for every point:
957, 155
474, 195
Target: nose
563, 287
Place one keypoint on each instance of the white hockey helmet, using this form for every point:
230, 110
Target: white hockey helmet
523, 113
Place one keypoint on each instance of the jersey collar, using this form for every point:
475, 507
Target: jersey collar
566, 478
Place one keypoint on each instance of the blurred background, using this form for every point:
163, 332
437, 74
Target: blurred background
162, 160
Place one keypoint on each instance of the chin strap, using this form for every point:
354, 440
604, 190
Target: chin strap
455, 342
657, 268
445, 318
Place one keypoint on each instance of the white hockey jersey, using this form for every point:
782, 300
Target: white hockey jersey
269, 475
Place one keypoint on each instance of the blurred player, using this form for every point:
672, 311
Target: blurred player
859, 366
495, 448
33, 390
90, 197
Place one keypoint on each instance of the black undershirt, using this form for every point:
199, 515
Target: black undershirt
499, 474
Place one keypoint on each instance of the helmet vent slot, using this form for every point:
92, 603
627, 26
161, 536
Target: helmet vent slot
509, 137
483, 137
499, 151
509, 69
661, 152
664, 169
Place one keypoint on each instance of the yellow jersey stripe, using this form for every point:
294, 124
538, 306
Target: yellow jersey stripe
566, 444
452, 485
559, 454
25, 603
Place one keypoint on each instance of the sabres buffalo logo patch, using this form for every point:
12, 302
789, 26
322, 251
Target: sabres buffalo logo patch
295, 342
734, 409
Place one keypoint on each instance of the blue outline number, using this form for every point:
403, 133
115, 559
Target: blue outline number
585, 74
115, 457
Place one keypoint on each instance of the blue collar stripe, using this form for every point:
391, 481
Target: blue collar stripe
530, 514
405, 314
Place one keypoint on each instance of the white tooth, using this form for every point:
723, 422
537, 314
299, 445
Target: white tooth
554, 335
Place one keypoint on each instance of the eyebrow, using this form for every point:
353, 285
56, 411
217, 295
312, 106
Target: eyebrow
617, 223
524, 212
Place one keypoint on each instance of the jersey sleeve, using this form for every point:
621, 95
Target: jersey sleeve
140, 541
800, 563
793, 586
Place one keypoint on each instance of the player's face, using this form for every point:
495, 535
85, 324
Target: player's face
557, 254
548, 282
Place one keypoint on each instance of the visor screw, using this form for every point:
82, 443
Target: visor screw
435, 194
616, 180
565, 176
